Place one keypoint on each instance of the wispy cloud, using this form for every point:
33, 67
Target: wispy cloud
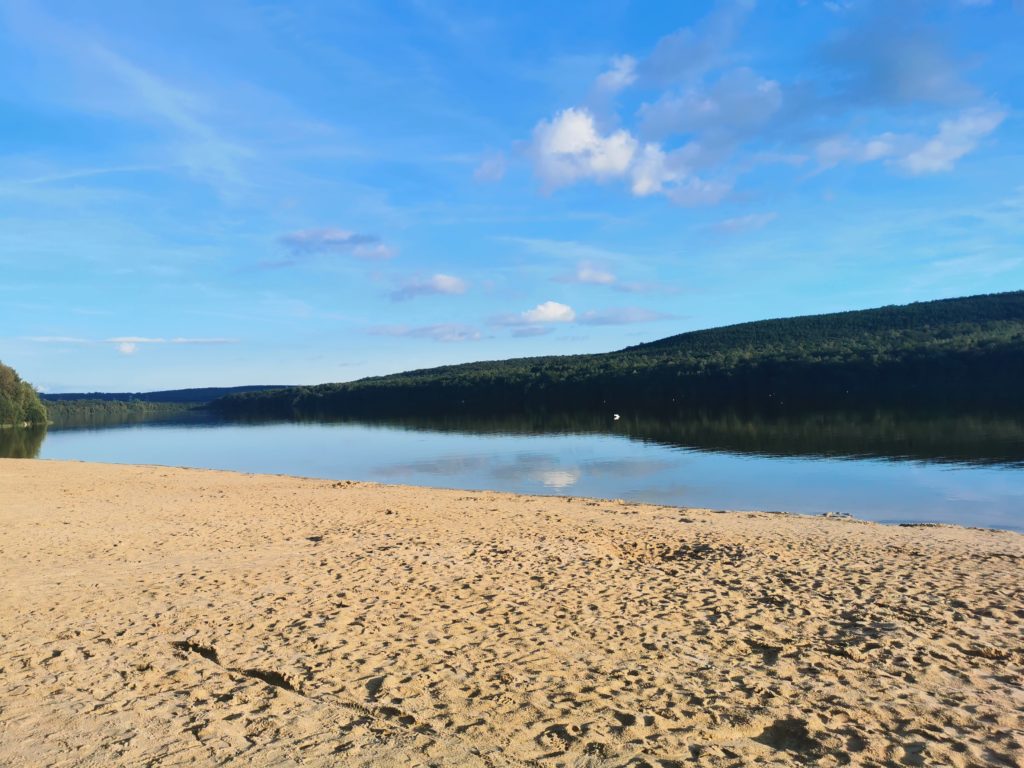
588, 273
202, 147
746, 223
491, 168
127, 345
58, 340
438, 284
333, 241
621, 74
529, 331
621, 316
570, 250
446, 332
955, 137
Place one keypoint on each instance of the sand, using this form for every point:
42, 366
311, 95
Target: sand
155, 616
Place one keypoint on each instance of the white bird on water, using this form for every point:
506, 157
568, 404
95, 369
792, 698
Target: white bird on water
615, 417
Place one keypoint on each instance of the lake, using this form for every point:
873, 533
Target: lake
885, 467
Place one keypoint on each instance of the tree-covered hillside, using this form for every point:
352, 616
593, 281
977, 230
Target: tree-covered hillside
964, 352
19, 402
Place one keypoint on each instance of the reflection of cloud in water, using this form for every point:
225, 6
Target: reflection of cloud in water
628, 467
447, 466
559, 478
525, 469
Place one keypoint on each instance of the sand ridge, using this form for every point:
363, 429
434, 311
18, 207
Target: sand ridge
157, 616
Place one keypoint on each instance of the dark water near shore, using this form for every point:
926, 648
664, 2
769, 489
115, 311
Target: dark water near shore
885, 466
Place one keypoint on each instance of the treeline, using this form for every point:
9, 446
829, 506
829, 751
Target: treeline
194, 396
966, 352
71, 413
19, 401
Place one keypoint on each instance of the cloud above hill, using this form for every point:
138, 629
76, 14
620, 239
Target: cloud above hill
697, 120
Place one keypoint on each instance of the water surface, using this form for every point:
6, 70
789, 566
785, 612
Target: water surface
884, 467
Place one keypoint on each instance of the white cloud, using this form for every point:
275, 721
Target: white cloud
435, 284
549, 312
538, 321
127, 348
621, 75
569, 148
956, 138
652, 171
709, 120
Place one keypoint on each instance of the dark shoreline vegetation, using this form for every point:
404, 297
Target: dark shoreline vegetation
992, 438
19, 401
964, 353
87, 413
976, 438
86, 409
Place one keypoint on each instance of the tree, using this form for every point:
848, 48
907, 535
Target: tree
19, 401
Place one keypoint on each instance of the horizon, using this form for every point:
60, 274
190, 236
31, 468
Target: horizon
610, 351
198, 197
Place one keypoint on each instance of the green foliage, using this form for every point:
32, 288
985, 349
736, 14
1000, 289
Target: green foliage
193, 396
19, 402
81, 413
967, 351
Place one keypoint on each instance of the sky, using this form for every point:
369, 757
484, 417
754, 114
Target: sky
216, 194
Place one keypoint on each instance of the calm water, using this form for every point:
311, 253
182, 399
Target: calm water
967, 470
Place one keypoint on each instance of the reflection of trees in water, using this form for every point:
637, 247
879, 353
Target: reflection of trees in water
21, 442
987, 439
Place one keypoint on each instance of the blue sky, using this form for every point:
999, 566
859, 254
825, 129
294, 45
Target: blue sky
225, 193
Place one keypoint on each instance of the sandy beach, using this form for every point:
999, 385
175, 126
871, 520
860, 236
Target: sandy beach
155, 616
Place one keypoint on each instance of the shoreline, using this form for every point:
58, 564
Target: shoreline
153, 614
828, 515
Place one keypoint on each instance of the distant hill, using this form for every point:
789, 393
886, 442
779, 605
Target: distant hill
194, 396
963, 352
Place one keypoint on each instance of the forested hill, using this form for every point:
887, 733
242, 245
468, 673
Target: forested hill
964, 352
194, 396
